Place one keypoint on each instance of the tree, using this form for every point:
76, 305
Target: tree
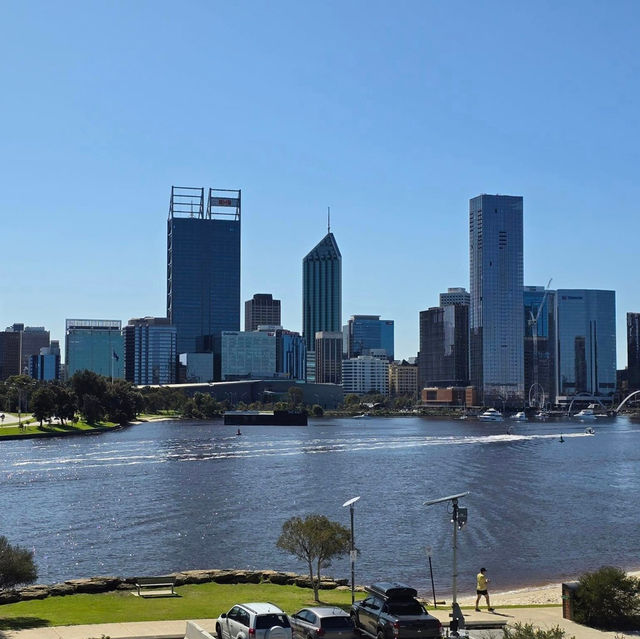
92, 409
16, 565
314, 540
21, 385
65, 402
608, 599
295, 396
43, 403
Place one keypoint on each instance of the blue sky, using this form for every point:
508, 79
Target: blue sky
393, 114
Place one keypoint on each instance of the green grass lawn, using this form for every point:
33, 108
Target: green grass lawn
194, 602
33, 428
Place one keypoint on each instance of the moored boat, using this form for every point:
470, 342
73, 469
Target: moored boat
519, 417
491, 415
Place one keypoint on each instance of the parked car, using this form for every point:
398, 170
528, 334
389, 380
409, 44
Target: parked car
253, 621
391, 611
328, 623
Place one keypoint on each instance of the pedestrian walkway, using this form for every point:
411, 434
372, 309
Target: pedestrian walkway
544, 617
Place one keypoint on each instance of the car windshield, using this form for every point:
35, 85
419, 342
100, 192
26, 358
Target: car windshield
405, 608
333, 623
264, 622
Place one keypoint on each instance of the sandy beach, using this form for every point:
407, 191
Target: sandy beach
540, 595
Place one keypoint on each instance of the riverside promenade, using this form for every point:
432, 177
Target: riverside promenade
540, 617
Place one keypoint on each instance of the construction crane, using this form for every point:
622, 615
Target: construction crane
533, 325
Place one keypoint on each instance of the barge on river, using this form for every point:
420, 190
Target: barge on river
264, 418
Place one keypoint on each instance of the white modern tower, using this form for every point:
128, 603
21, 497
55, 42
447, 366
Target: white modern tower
496, 344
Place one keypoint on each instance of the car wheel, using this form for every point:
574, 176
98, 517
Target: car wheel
218, 631
354, 618
380, 634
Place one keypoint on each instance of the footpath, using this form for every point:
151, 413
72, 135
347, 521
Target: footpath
478, 624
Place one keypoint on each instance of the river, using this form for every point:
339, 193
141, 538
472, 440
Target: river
175, 495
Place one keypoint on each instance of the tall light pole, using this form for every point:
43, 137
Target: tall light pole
352, 554
459, 519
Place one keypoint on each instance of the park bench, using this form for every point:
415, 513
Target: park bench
155, 586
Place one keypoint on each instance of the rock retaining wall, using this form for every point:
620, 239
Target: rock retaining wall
107, 584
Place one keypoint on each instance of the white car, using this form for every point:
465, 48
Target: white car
254, 621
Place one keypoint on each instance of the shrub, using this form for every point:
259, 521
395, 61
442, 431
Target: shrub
527, 631
16, 565
608, 599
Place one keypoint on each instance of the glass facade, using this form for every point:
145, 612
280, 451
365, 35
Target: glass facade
368, 332
248, 355
91, 344
586, 342
444, 346
203, 279
496, 362
540, 372
321, 290
633, 350
328, 351
291, 355
150, 346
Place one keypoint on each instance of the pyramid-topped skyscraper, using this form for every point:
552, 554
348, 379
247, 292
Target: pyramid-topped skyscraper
321, 291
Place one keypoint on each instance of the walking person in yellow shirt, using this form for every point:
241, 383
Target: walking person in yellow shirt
482, 589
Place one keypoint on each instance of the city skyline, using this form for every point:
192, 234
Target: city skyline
391, 125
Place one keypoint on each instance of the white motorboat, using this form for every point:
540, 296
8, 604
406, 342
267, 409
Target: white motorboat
586, 414
519, 417
491, 415
543, 414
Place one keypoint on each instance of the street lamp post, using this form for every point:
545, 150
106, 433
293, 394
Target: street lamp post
353, 552
459, 519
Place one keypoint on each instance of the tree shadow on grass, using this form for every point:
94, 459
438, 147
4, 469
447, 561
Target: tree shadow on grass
20, 623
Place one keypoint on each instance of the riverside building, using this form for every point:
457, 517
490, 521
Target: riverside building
443, 359
95, 345
365, 374
364, 333
203, 267
496, 328
586, 343
150, 351
321, 295
633, 350
540, 345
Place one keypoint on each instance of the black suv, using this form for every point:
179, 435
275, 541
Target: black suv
391, 611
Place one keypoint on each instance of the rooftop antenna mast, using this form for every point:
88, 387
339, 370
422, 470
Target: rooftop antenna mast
328, 219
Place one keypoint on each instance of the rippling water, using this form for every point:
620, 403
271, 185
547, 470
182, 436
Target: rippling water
167, 496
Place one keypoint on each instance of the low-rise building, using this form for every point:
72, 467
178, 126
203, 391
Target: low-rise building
403, 378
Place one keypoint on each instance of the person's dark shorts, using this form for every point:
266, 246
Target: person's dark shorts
481, 592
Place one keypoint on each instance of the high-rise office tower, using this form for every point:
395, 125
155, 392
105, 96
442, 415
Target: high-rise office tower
261, 310
444, 346
365, 333
540, 372
150, 351
586, 342
328, 351
9, 354
94, 345
633, 350
496, 362
455, 295
203, 266
321, 294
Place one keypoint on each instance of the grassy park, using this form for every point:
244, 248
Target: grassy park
200, 601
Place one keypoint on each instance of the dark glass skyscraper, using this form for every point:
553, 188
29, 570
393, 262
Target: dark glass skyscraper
496, 329
203, 266
444, 346
633, 350
321, 290
365, 333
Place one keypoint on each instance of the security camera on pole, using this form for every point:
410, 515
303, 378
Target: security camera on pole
459, 519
